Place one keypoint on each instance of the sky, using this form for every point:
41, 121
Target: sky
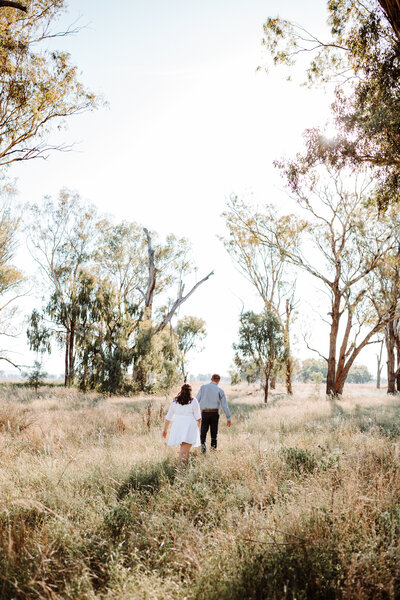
189, 121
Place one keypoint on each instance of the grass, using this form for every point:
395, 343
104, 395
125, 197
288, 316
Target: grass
300, 501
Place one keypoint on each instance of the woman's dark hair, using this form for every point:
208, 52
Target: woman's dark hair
185, 395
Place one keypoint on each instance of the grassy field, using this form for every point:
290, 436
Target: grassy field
300, 501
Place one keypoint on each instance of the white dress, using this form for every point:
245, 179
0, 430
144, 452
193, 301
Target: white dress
184, 423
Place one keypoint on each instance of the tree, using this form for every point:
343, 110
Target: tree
39, 88
144, 272
246, 368
61, 238
384, 286
361, 58
313, 369
264, 266
344, 241
359, 374
261, 340
190, 331
11, 278
36, 375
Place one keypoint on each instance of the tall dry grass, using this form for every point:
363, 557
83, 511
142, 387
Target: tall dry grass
300, 501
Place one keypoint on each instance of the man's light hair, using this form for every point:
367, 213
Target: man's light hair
215, 377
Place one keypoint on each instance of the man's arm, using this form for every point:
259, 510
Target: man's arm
224, 405
198, 395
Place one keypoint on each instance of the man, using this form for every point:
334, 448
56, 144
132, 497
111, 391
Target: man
210, 398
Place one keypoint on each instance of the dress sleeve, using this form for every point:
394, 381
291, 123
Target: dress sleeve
196, 409
171, 411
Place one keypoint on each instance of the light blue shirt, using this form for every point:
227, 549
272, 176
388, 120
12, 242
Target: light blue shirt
212, 396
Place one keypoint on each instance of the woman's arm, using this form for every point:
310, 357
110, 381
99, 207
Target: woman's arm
168, 418
165, 430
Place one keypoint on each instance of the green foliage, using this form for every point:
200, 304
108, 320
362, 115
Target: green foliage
190, 331
361, 57
247, 369
300, 460
108, 305
261, 344
235, 377
359, 374
39, 87
313, 369
316, 371
36, 375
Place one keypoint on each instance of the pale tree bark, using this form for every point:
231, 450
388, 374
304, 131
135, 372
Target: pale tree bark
151, 278
288, 362
179, 301
379, 366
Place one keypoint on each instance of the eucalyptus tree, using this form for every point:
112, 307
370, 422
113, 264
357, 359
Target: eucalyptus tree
360, 56
384, 289
261, 342
61, 238
11, 278
190, 331
264, 266
343, 240
39, 88
147, 277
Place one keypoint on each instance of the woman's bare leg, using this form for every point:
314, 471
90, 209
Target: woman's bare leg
184, 453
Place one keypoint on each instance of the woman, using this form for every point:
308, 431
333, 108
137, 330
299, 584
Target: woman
185, 415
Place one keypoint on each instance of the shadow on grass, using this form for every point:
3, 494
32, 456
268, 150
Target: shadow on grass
245, 409
148, 478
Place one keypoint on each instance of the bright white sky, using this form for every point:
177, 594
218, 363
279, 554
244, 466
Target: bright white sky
189, 122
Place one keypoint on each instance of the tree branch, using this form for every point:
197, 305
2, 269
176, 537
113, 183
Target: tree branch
10, 4
313, 349
180, 300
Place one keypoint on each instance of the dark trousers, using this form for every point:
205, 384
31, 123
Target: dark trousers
209, 420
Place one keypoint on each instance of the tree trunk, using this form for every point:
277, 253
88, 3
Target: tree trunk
273, 382
397, 342
379, 366
331, 374
390, 343
66, 369
288, 361
266, 388
391, 9
378, 375
71, 355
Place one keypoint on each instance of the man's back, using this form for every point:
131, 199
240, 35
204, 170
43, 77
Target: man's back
210, 396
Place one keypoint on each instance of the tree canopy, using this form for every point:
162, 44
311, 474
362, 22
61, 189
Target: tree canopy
362, 59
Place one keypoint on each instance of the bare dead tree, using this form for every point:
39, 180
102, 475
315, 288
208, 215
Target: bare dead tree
179, 301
